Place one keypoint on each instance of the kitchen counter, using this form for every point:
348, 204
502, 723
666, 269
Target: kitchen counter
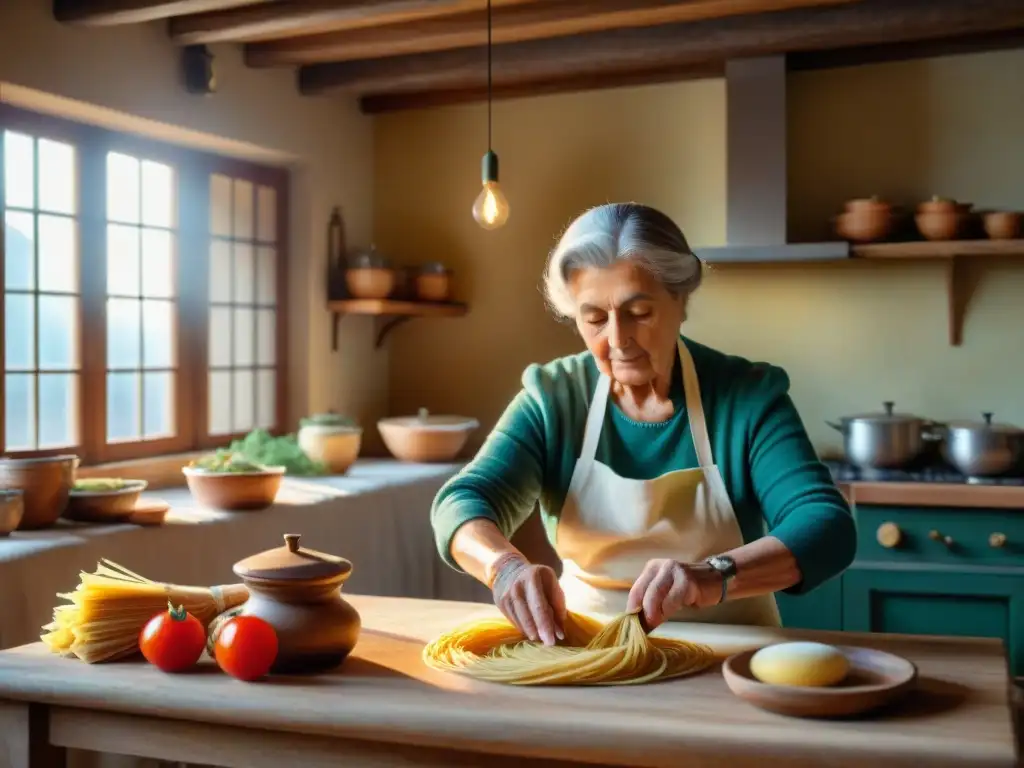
962, 495
384, 707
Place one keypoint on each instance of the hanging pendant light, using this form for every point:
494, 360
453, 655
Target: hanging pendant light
491, 208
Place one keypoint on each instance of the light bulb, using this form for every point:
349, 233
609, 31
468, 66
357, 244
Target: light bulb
490, 209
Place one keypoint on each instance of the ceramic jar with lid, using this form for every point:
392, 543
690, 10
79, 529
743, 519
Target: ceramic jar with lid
865, 220
369, 276
331, 439
433, 282
298, 591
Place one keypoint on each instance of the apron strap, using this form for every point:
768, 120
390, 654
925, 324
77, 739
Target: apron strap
695, 408
595, 418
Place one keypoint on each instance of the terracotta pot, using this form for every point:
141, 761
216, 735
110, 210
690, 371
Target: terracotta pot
370, 282
433, 283
104, 506
234, 491
1002, 225
45, 483
336, 446
939, 225
424, 438
12, 507
298, 592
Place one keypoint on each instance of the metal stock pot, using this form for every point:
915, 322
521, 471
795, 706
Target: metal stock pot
982, 449
884, 440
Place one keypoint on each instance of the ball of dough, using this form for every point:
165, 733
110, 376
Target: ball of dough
800, 663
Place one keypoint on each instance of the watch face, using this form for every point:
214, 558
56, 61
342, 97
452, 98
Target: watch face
723, 563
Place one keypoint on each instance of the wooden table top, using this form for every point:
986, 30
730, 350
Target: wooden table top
959, 715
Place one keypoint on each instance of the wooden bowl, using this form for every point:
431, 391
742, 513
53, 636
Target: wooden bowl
108, 506
876, 678
12, 507
234, 491
45, 483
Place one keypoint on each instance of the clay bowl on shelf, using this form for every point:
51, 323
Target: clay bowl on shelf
942, 219
369, 282
234, 491
433, 283
103, 500
12, 507
45, 484
1001, 225
876, 678
865, 221
424, 438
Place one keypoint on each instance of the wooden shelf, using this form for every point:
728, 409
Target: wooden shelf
956, 254
390, 313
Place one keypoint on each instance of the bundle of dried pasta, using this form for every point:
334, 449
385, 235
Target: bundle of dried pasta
618, 653
109, 608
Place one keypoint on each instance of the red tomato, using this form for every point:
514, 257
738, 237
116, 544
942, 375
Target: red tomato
173, 640
246, 647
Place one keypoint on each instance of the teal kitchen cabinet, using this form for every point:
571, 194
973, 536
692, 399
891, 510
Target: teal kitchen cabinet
927, 571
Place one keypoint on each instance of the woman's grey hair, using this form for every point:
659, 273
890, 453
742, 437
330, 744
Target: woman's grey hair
609, 233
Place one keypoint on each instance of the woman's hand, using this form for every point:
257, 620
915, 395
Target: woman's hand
530, 597
665, 586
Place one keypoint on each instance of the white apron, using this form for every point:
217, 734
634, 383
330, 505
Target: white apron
611, 526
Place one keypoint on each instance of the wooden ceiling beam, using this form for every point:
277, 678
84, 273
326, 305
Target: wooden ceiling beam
110, 12
303, 17
393, 102
511, 24
864, 23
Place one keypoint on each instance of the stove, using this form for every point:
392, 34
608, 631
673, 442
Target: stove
843, 472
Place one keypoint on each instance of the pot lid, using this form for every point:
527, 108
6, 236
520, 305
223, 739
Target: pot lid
886, 416
986, 425
292, 563
369, 258
434, 268
425, 420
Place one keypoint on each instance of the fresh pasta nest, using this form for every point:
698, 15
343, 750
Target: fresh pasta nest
617, 653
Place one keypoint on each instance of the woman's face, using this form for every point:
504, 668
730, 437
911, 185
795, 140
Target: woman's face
628, 320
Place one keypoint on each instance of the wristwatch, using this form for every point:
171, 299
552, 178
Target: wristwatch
726, 567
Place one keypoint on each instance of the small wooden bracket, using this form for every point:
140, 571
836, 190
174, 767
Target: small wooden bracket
386, 325
960, 285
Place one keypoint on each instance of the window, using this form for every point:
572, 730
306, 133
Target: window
142, 293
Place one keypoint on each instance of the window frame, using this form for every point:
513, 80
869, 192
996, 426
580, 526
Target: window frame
193, 170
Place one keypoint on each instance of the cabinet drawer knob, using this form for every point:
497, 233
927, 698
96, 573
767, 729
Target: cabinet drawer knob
889, 535
937, 536
997, 540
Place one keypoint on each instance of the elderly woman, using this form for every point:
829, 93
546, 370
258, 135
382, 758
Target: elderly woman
672, 478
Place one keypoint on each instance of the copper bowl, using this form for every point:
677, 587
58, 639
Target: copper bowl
12, 507
45, 483
234, 491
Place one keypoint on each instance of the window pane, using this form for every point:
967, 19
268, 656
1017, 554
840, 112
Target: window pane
20, 412
219, 405
122, 188
19, 331
244, 336
266, 276
157, 263
19, 251
58, 336
243, 210
123, 333
220, 205
123, 407
58, 254
158, 336
58, 410
266, 399
19, 170
220, 271
244, 400
157, 194
266, 214
122, 260
266, 338
245, 274
158, 405
56, 177
220, 337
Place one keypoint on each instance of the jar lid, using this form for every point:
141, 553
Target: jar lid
367, 259
292, 563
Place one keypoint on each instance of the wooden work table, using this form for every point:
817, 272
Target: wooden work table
385, 708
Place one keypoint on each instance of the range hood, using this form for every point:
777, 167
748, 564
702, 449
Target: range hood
756, 184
